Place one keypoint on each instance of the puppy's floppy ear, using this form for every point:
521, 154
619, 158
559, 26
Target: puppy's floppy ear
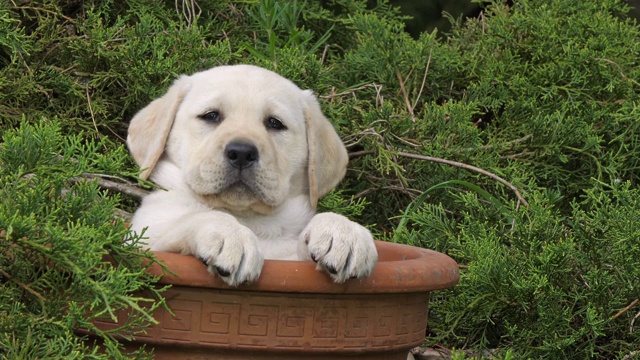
328, 156
150, 127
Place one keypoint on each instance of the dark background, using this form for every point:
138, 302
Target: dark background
427, 14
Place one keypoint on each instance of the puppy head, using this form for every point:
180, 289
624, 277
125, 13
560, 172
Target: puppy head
241, 137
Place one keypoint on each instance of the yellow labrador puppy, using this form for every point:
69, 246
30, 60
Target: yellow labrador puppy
242, 155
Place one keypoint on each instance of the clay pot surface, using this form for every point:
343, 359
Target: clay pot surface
294, 311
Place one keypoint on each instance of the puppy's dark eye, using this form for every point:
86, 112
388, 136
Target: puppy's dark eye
211, 116
274, 124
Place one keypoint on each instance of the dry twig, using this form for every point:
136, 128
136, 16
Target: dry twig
190, 10
93, 118
468, 167
359, 136
124, 188
619, 70
356, 154
631, 325
424, 79
24, 286
405, 95
633, 303
46, 11
411, 193
350, 91
507, 144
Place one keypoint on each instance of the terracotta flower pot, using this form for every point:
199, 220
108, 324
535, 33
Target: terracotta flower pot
296, 312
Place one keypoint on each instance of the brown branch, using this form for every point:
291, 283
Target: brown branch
424, 79
411, 193
633, 303
122, 215
24, 286
405, 95
115, 134
121, 187
324, 54
507, 144
406, 141
45, 10
619, 70
356, 154
127, 189
350, 91
93, 118
633, 321
359, 136
468, 167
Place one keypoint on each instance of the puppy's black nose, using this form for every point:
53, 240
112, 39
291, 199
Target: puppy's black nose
240, 154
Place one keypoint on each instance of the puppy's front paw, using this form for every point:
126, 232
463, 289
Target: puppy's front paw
342, 247
230, 251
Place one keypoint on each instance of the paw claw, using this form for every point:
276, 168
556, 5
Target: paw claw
222, 271
342, 248
331, 270
229, 250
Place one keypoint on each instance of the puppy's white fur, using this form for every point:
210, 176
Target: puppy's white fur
234, 218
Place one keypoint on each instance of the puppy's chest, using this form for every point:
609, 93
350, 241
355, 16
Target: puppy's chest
276, 241
278, 249
277, 238
272, 232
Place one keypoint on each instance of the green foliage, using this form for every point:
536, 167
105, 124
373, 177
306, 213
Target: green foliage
541, 94
92, 66
55, 233
549, 283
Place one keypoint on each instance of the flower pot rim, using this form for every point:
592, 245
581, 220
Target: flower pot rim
400, 269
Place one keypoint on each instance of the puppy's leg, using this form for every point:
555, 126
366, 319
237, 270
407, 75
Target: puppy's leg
342, 247
228, 248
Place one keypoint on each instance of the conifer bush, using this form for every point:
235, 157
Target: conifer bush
56, 227
511, 144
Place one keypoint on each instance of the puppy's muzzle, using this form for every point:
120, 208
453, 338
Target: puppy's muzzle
241, 154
